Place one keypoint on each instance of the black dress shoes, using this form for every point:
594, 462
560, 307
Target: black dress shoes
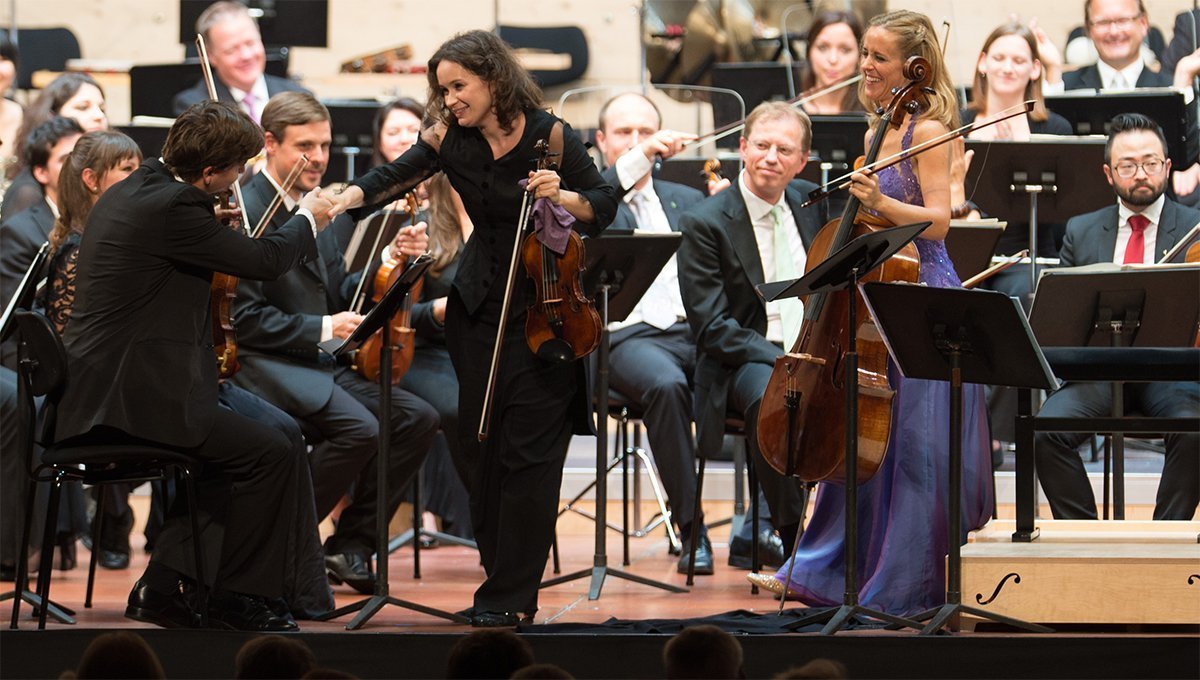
770, 550
704, 557
112, 559
236, 611
351, 569
162, 609
487, 619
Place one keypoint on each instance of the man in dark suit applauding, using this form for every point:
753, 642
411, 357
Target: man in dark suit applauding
1141, 227
653, 357
279, 324
1117, 29
236, 51
752, 232
142, 367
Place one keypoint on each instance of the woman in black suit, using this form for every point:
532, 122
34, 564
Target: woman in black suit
486, 120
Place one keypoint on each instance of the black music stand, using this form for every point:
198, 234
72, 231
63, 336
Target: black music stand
23, 299
971, 244
1111, 306
379, 320
1090, 112
840, 271
975, 336
1062, 177
619, 271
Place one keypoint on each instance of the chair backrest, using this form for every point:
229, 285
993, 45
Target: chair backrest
44, 49
42, 370
568, 40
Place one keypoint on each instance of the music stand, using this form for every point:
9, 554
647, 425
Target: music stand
1115, 306
1047, 169
975, 336
840, 271
619, 271
23, 299
971, 244
1090, 112
379, 319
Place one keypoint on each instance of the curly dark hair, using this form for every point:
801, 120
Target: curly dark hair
210, 134
487, 56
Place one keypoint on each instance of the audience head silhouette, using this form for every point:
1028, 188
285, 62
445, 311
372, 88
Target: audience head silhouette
489, 653
118, 655
703, 652
272, 656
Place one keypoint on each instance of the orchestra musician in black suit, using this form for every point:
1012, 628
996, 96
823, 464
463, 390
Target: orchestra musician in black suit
1117, 29
236, 51
652, 356
142, 369
1137, 167
727, 250
279, 324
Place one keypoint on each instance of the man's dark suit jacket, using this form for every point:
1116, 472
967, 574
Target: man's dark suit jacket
279, 322
675, 199
199, 93
1092, 237
719, 267
20, 237
1088, 78
140, 341
1183, 40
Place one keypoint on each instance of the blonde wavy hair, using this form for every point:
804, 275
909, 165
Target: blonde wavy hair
917, 37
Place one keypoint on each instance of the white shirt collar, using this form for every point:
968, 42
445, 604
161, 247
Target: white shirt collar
1131, 73
53, 207
259, 90
755, 206
1152, 212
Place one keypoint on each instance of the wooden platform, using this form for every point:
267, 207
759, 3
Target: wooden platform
1080, 572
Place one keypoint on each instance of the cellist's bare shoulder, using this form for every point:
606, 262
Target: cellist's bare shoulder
928, 129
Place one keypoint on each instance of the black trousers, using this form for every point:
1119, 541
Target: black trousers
516, 473
653, 368
349, 426
1061, 470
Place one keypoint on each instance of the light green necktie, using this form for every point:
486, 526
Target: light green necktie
791, 312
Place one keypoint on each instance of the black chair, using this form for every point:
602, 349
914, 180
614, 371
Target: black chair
568, 40
43, 372
44, 49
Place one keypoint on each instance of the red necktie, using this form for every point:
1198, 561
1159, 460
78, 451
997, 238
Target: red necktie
1137, 240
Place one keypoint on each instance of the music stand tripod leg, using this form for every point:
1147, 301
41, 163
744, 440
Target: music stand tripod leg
370, 606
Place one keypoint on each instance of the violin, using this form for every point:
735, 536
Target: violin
402, 334
561, 323
222, 292
801, 420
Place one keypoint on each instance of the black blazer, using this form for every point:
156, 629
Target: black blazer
1092, 237
20, 237
140, 341
199, 92
279, 322
718, 269
1088, 78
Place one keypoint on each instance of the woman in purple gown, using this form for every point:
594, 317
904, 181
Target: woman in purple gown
902, 510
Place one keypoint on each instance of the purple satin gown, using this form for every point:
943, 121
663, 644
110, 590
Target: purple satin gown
902, 510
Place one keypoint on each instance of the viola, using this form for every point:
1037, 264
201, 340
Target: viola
402, 334
222, 292
801, 420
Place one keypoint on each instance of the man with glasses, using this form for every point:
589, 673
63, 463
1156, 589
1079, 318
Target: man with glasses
1117, 28
1142, 226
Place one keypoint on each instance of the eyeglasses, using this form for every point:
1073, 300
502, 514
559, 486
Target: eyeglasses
1120, 23
1128, 170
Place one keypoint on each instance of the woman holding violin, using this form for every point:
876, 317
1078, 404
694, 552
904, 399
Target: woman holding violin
486, 124
902, 508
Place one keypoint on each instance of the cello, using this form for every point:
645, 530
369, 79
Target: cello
801, 420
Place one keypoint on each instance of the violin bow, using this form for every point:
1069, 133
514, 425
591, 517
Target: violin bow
284, 190
212, 94
870, 169
795, 102
1181, 244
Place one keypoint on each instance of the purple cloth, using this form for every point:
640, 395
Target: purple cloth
552, 223
902, 510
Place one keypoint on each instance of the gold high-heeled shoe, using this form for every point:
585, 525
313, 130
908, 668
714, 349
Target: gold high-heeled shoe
770, 583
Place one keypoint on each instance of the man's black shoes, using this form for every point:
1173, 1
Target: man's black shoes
162, 609
351, 569
236, 611
487, 619
704, 556
770, 550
